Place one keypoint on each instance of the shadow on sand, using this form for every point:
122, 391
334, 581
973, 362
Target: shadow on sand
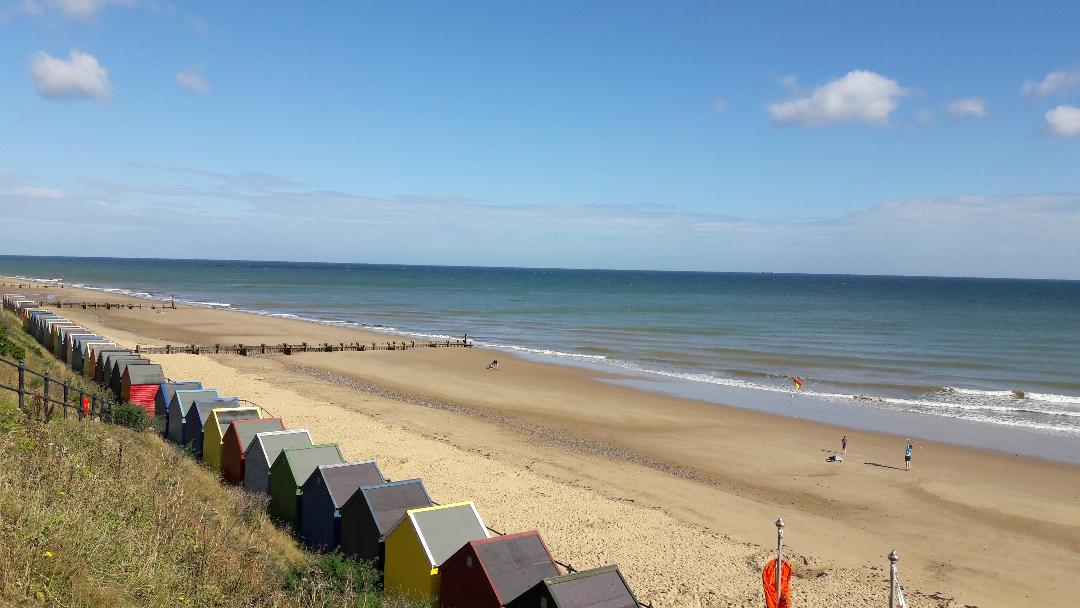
884, 466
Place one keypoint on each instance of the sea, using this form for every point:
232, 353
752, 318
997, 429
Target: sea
1001, 354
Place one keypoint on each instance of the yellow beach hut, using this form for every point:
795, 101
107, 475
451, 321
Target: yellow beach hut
217, 424
422, 541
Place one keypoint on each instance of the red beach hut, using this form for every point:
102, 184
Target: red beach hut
140, 385
236, 442
492, 572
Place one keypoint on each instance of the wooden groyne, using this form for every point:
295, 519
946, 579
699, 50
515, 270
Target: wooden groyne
248, 350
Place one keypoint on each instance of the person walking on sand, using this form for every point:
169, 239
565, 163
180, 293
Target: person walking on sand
907, 456
843, 444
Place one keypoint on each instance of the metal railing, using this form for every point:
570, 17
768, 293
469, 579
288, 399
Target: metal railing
40, 402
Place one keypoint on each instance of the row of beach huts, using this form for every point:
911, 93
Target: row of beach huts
442, 554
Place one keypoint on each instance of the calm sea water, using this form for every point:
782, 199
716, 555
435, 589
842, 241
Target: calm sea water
999, 351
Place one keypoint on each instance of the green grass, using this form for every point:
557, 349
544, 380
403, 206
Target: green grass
94, 514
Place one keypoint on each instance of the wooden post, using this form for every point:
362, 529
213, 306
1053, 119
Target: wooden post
263, 349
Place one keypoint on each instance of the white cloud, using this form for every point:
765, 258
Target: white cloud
80, 76
1054, 82
77, 10
861, 97
1063, 121
970, 107
191, 78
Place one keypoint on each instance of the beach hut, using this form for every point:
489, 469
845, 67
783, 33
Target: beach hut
214, 431
54, 326
140, 384
164, 397
601, 587
422, 541
289, 472
79, 349
41, 325
103, 372
195, 421
492, 572
263, 451
66, 336
120, 365
237, 439
372, 513
324, 494
56, 335
92, 368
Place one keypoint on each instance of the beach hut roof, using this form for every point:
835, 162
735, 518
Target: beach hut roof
184, 399
122, 363
168, 389
388, 502
513, 563
343, 480
205, 406
145, 374
443, 530
226, 415
246, 429
597, 588
303, 460
271, 443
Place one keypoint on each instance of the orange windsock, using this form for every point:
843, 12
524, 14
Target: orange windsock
768, 580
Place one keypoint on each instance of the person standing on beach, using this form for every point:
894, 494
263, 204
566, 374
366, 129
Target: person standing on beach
907, 456
843, 444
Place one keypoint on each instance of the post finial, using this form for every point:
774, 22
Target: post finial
893, 557
780, 523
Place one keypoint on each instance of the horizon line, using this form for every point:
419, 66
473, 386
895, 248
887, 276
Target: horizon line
580, 269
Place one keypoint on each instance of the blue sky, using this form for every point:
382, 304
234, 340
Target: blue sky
913, 138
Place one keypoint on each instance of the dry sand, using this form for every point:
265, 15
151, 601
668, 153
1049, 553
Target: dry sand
681, 494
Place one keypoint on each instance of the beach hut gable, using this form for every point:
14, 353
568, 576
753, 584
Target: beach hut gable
214, 431
236, 442
323, 495
122, 365
263, 452
490, 573
372, 512
598, 588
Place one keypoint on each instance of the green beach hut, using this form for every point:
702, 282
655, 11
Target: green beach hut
289, 472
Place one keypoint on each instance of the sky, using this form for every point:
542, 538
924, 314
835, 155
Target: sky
924, 138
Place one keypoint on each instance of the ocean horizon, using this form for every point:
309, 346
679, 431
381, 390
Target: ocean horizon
999, 352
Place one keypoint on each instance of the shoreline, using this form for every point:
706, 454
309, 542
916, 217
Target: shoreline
1052, 445
942, 516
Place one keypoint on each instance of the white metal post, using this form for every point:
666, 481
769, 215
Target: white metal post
893, 558
779, 552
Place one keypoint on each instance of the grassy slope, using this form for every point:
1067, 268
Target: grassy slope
97, 515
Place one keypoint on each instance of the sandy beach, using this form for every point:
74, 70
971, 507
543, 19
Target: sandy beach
681, 494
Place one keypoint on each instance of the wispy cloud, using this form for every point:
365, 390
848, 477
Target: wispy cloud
191, 78
1063, 121
860, 97
77, 10
259, 215
970, 107
1055, 82
80, 76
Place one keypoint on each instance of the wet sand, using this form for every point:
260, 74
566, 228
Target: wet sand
681, 494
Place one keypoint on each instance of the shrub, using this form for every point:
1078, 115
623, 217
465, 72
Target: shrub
132, 416
8, 347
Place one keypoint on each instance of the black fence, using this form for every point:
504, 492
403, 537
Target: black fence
40, 403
